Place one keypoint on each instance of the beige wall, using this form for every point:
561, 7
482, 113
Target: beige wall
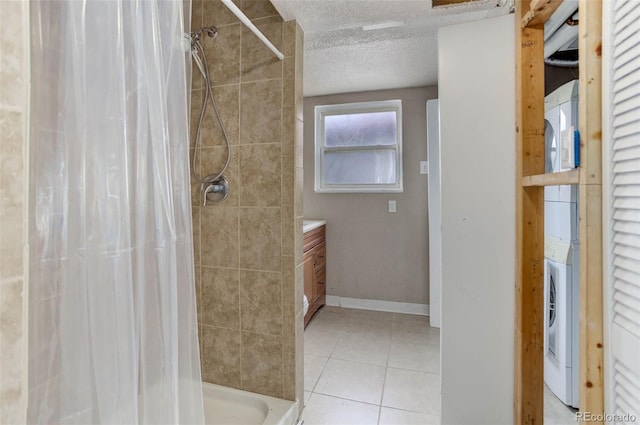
13, 113
371, 253
248, 249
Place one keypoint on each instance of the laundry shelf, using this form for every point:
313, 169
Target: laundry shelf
552, 179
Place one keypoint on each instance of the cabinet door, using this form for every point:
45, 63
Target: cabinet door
307, 263
320, 284
319, 259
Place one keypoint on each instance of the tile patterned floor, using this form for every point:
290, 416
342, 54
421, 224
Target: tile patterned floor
375, 368
371, 368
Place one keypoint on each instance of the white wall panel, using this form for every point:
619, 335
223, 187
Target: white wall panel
477, 116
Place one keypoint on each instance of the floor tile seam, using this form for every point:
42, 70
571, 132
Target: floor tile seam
316, 355
332, 349
409, 370
368, 339
321, 330
421, 344
345, 398
367, 333
353, 361
413, 370
407, 410
368, 316
370, 345
358, 333
421, 412
324, 367
384, 384
332, 331
357, 318
358, 362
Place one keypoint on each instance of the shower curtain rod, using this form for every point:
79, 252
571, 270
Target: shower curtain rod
236, 11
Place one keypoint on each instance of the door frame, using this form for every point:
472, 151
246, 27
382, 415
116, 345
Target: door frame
434, 209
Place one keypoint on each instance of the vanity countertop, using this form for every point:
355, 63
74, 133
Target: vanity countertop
312, 224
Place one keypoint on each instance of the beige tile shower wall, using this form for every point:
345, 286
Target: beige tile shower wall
12, 209
248, 249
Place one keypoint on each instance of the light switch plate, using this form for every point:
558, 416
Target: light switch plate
424, 167
392, 206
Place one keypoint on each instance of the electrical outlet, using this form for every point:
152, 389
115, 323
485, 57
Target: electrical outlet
424, 167
392, 206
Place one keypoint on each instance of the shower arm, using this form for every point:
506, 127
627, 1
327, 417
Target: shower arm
243, 18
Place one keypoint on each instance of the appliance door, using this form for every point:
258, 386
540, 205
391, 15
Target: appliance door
551, 134
551, 312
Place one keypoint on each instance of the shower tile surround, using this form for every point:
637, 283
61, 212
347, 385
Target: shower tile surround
13, 113
248, 249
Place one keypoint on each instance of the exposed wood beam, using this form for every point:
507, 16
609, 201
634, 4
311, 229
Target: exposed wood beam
539, 12
590, 199
529, 326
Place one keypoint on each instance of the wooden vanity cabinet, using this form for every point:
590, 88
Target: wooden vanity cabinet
314, 262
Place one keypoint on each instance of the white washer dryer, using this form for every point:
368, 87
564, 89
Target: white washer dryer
561, 319
561, 122
561, 248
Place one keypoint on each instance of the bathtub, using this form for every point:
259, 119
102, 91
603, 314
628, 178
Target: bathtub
228, 406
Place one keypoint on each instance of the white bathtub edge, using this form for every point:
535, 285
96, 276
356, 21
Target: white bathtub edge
280, 411
290, 417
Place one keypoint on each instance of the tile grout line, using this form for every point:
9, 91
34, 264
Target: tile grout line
352, 400
239, 190
320, 376
384, 381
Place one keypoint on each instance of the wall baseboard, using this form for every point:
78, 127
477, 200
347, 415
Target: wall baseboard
378, 305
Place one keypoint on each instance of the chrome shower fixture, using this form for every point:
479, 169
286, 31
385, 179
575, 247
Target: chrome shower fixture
208, 31
214, 190
214, 187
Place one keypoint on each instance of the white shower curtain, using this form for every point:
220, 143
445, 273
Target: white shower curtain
112, 319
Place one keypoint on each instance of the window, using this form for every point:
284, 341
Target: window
359, 147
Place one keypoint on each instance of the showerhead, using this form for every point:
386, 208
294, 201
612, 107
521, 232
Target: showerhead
208, 31
197, 49
211, 31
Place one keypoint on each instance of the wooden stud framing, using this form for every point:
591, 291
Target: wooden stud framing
529, 337
539, 12
529, 326
590, 199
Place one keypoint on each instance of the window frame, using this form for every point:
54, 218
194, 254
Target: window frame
321, 111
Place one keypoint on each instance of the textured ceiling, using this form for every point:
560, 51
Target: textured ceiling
341, 57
